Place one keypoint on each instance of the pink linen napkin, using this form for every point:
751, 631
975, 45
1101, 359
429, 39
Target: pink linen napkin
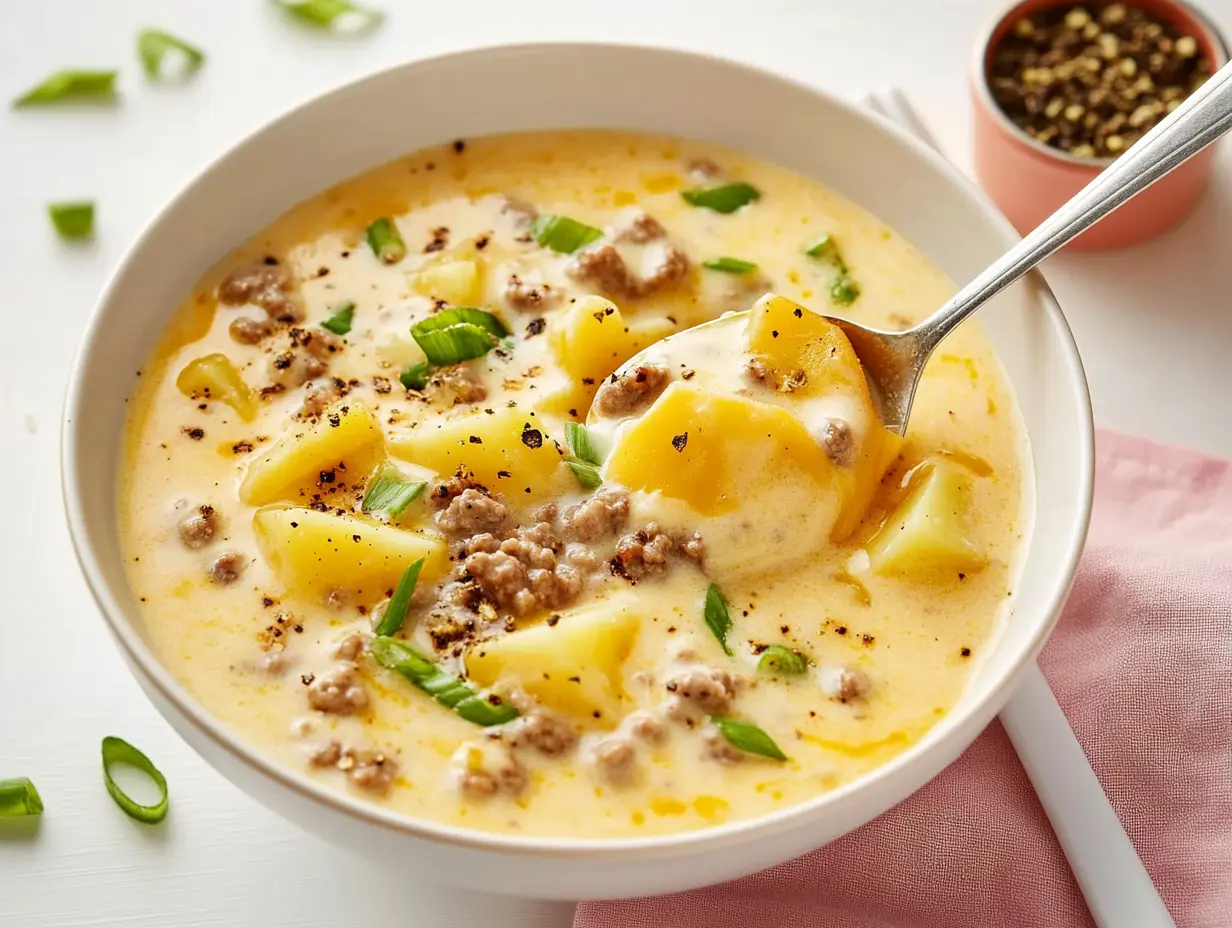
1142, 664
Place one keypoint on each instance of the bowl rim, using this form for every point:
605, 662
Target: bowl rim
141, 658
984, 46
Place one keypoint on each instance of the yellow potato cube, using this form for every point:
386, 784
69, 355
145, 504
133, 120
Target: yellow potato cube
930, 529
574, 666
591, 338
458, 283
318, 552
507, 451
215, 377
347, 433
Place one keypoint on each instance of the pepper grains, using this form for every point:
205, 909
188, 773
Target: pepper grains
1091, 81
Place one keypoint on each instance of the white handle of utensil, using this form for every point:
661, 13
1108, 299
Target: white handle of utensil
1116, 886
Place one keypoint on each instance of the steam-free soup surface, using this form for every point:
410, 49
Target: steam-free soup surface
561, 666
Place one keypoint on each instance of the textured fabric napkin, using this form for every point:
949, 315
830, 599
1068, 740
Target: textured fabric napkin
1142, 664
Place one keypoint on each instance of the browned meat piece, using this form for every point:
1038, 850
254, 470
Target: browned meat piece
197, 529
317, 342
616, 760
545, 733
692, 546
647, 727
292, 368
484, 542
508, 777
604, 269
632, 391
720, 749
318, 400
761, 372
602, 515
227, 568
249, 331
338, 691
506, 580
581, 557
461, 381
276, 661
852, 684
450, 627
536, 546
703, 169
545, 513
447, 491
838, 442
642, 553
325, 755
700, 691
268, 285
369, 770
350, 647
472, 512
670, 268
641, 229
528, 297
520, 213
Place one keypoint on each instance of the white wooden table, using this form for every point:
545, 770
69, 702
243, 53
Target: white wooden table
1154, 326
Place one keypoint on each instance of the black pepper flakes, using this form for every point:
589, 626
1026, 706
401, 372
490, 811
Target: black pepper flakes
536, 327
679, 441
195, 433
965, 652
531, 437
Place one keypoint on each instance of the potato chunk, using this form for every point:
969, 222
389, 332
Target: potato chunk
931, 528
574, 666
347, 433
458, 283
214, 377
506, 451
320, 552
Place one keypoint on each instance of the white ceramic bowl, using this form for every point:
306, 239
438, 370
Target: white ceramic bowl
556, 86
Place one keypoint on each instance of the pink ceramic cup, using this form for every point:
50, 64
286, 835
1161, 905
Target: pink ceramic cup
1028, 180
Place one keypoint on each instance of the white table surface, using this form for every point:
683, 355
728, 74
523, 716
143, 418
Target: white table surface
1153, 324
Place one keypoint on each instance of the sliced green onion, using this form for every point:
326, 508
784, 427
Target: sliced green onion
717, 616
468, 314
730, 265
340, 321
119, 751
339, 15
390, 492
725, 199
579, 440
844, 291
444, 687
153, 46
826, 249
588, 475
458, 334
385, 242
69, 86
778, 659
395, 613
415, 377
19, 797
562, 234
72, 220
747, 737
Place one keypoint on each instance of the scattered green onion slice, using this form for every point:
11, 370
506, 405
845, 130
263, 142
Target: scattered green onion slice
395, 613
778, 659
340, 321
457, 314
339, 15
588, 475
844, 291
579, 440
67, 86
73, 220
717, 616
19, 797
458, 334
826, 249
390, 492
153, 46
730, 265
385, 241
444, 687
725, 199
415, 377
747, 737
562, 234
119, 751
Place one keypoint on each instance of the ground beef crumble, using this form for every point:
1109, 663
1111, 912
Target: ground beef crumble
697, 692
270, 286
631, 392
602, 515
338, 691
197, 529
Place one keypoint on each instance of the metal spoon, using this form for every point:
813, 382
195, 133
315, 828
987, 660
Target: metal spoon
894, 361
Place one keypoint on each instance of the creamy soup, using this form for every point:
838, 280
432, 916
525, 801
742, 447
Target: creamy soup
401, 510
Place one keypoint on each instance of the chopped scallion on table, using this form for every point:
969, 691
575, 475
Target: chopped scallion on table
778, 659
445, 688
717, 616
390, 492
747, 737
725, 199
73, 220
71, 86
19, 797
157, 50
458, 334
730, 265
339, 321
562, 234
119, 751
385, 241
336, 15
395, 612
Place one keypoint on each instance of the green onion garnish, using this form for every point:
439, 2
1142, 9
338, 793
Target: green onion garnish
119, 751
725, 199
385, 242
458, 334
579, 440
415, 377
562, 234
444, 687
339, 15
72, 220
747, 737
395, 613
19, 797
717, 616
69, 86
153, 46
778, 659
588, 475
390, 492
826, 249
340, 321
844, 291
730, 265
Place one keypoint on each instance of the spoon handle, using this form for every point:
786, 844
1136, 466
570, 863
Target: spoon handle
1200, 120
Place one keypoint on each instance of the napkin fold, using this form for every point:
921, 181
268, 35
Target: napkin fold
1141, 661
